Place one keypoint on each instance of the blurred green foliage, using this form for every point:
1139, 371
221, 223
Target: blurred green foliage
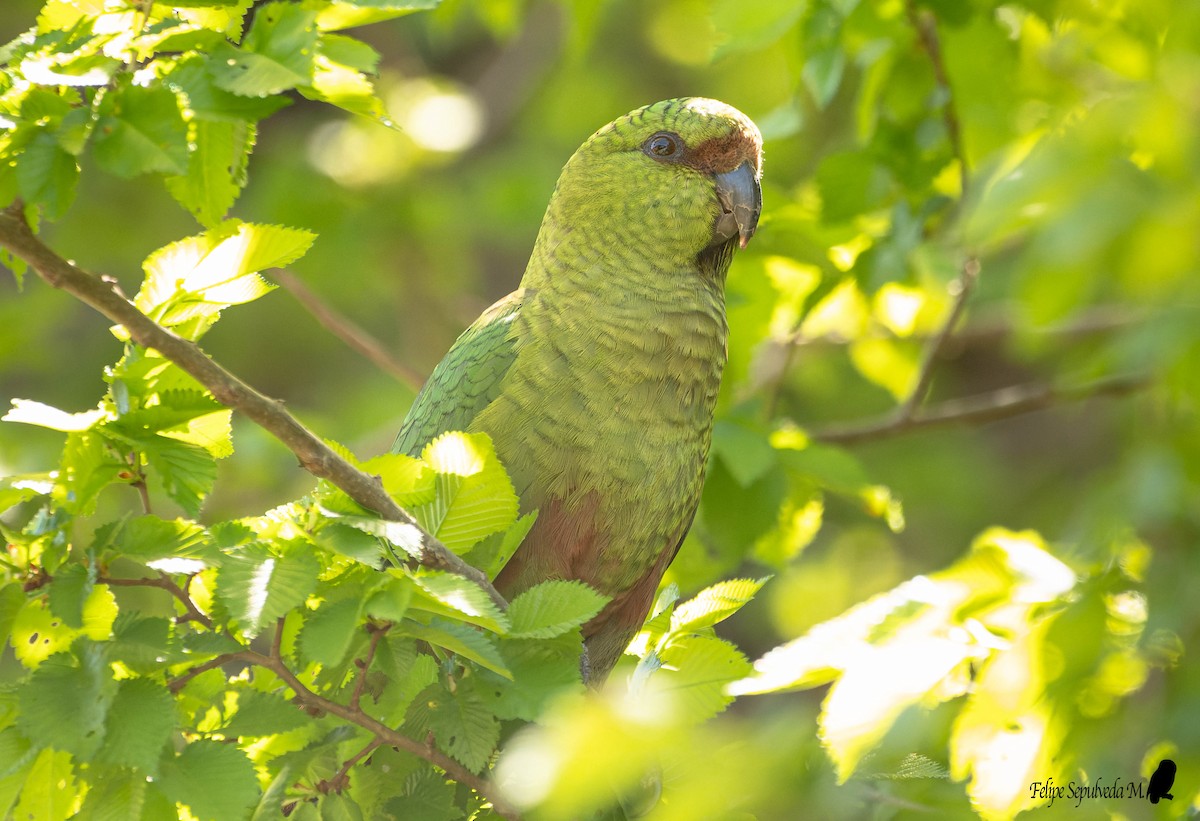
992, 603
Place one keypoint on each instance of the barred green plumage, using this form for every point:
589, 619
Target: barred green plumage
598, 377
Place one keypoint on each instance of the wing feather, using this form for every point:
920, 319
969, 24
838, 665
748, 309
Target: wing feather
467, 379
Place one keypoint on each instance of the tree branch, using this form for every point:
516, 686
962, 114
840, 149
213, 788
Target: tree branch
344, 329
383, 733
960, 291
164, 582
315, 456
925, 24
982, 409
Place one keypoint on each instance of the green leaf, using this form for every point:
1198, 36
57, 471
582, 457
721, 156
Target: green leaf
461, 723
16, 751
715, 604
88, 466
116, 796
147, 537
695, 671
37, 634
68, 593
139, 723
428, 795
542, 669
409, 674
257, 586
458, 638
21, 487
822, 73
194, 279
350, 542
187, 472
474, 495
459, 598
277, 54
141, 130
65, 702
142, 643
328, 631
216, 170
47, 174
29, 412
190, 779
552, 608
207, 101
491, 554
746, 452
262, 714
339, 807
345, 88
350, 52
407, 480
50, 789
344, 15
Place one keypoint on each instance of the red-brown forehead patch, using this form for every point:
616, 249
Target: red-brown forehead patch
720, 154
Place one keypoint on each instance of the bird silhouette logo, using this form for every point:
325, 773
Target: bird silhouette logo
1161, 781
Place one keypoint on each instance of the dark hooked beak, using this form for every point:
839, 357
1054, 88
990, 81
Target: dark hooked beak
740, 197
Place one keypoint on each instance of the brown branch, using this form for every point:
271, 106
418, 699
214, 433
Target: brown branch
344, 329
960, 291
364, 665
315, 456
994, 330
926, 27
177, 684
925, 24
307, 700
982, 409
341, 779
383, 733
164, 582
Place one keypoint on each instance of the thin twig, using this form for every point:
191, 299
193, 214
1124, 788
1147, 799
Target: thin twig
164, 582
982, 409
383, 733
312, 702
961, 290
341, 778
1100, 319
315, 456
344, 329
364, 665
177, 684
925, 24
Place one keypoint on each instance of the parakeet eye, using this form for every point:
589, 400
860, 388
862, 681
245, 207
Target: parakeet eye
661, 145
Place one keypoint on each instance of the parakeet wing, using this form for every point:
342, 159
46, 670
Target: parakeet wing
466, 380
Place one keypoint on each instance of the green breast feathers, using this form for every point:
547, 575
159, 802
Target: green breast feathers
597, 378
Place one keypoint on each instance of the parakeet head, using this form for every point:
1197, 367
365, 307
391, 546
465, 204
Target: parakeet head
677, 180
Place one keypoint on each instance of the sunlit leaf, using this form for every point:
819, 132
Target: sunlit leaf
277, 54
458, 597
552, 608
715, 604
474, 495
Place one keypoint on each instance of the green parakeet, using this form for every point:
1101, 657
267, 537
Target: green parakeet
596, 379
